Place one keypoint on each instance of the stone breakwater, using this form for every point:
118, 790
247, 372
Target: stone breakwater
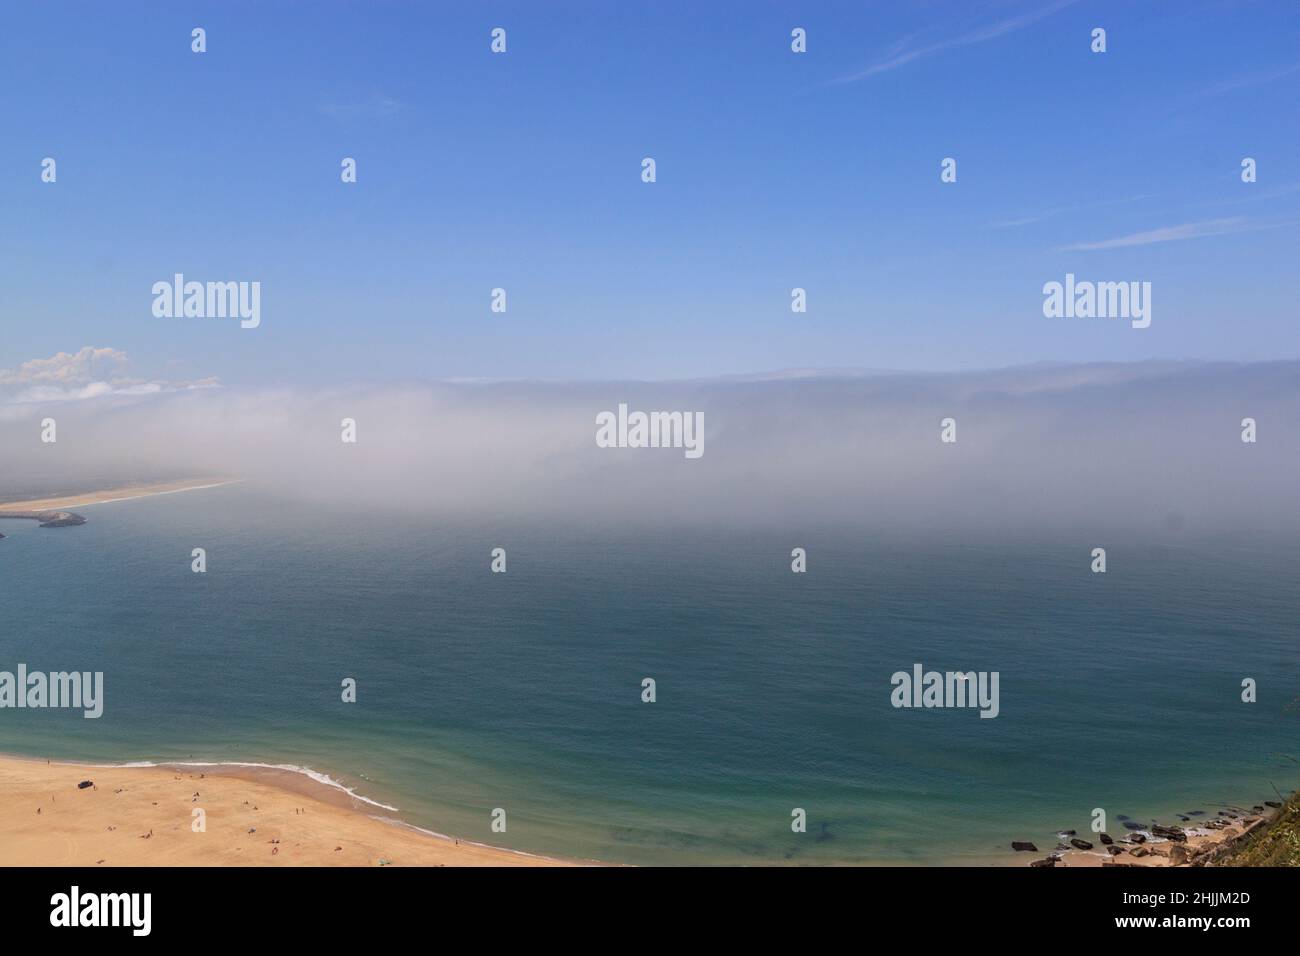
48, 519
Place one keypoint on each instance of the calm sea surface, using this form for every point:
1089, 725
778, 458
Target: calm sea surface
523, 690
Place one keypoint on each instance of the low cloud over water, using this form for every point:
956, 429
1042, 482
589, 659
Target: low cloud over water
1143, 445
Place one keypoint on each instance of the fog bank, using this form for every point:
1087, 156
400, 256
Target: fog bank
1137, 445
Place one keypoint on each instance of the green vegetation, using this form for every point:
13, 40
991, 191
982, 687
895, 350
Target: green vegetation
1277, 845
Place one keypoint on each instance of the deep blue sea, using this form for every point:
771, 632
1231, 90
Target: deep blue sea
523, 690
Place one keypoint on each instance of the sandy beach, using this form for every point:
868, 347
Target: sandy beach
120, 493
144, 816
255, 816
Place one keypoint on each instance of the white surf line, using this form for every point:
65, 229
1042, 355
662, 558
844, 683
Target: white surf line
153, 494
316, 775
482, 846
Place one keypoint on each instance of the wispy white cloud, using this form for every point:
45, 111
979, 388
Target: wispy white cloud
1058, 210
1253, 79
1187, 230
903, 55
1255, 195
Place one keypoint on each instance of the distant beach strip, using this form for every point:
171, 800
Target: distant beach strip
53, 513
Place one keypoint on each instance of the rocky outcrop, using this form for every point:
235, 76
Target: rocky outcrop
1241, 838
59, 519
47, 519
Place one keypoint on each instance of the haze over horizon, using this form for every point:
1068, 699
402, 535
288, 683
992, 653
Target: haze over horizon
1136, 445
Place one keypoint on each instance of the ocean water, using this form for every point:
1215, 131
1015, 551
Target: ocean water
523, 690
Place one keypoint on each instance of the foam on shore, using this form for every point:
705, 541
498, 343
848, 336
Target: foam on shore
315, 775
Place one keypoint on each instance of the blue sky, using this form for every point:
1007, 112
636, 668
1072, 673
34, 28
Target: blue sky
522, 171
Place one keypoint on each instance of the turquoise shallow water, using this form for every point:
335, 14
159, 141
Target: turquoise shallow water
522, 690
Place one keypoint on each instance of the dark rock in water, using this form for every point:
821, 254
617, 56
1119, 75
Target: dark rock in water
47, 519
1272, 803
1080, 844
84, 784
1050, 861
1019, 845
1169, 833
1105, 839
59, 519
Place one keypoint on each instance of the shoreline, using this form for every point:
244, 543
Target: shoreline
128, 492
261, 814
1200, 838
144, 814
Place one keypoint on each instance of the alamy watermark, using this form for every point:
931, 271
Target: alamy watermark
209, 300
651, 430
75, 908
1101, 300
79, 690
947, 689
